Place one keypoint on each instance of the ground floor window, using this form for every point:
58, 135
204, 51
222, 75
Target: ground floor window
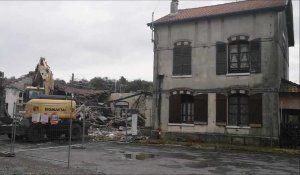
239, 110
186, 108
238, 114
290, 116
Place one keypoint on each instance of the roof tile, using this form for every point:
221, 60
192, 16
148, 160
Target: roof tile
221, 9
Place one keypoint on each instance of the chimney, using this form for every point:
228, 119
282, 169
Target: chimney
174, 7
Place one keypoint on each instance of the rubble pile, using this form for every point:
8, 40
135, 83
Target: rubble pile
113, 134
108, 119
110, 134
105, 124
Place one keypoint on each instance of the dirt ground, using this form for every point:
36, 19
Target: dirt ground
105, 158
21, 165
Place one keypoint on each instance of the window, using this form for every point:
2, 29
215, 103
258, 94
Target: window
238, 110
181, 108
238, 61
238, 56
186, 108
283, 45
242, 110
182, 58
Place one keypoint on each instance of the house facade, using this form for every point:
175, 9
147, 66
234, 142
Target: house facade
14, 91
218, 70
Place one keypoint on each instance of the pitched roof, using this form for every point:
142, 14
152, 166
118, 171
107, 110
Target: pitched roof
222, 9
288, 86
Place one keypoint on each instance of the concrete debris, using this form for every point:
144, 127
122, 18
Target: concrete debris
107, 125
102, 117
110, 134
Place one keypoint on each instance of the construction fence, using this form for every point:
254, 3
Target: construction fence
36, 130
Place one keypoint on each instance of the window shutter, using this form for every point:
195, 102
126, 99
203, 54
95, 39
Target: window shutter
182, 60
187, 61
255, 110
255, 55
201, 108
174, 109
221, 58
176, 60
221, 109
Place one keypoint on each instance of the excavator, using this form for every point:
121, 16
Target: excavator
45, 114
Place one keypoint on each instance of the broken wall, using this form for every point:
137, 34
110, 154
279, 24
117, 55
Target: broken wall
142, 102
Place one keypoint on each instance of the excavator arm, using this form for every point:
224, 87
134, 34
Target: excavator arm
43, 77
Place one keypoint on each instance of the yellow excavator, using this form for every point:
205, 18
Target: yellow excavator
46, 114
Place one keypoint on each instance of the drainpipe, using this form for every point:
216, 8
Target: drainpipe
156, 81
159, 79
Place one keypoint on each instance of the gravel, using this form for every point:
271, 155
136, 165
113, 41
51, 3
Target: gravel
21, 165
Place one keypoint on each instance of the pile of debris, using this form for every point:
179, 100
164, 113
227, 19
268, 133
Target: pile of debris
113, 134
105, 124
110, 134
111, 119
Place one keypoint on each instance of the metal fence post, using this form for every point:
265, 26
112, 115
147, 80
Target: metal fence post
83, 129
12, 135
82, 115
15, 128
70, 142
126, 139
70, 134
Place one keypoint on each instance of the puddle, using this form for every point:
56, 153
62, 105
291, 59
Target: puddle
138, 156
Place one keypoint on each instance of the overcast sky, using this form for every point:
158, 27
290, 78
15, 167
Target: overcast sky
89, 39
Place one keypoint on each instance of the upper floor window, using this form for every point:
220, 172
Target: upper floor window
238, 56
283, 45
182, 58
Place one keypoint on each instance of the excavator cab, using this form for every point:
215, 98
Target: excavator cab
32, 93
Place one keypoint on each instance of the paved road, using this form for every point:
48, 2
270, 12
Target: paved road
121, 158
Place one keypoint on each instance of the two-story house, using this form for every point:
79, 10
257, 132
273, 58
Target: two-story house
218, 70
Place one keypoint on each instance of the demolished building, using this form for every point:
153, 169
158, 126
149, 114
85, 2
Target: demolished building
82, 95
14, 90
140, 101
